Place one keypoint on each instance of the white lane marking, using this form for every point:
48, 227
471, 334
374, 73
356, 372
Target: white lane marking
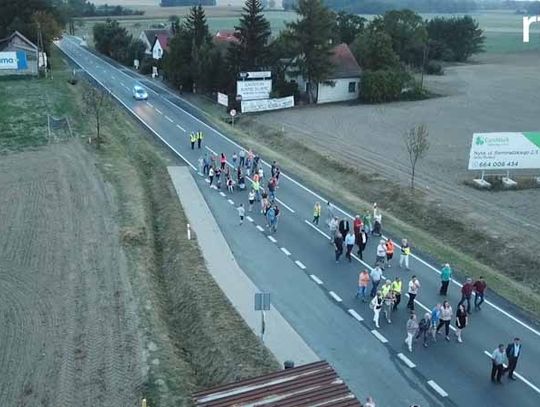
520, 377
230, 201
271, 238
209, 149
159, 111
406, 360
379, 336
149, 104
300, 264
181, 128
122, 83
261, 229
169, 119
249, 218
355, 314
222, 193
437, 388
285, 205
207, 180
316, 279
134, 114
298, 184
335, 296
316, 228
287, 253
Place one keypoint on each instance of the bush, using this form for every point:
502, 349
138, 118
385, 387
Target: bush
382, 85
146, 66
414, 92
434, 68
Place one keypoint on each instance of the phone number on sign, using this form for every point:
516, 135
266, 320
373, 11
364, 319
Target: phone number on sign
497, 164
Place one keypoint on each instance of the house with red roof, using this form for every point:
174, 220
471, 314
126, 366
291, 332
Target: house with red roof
161, 44
343, 83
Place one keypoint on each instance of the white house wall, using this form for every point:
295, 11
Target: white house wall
339, 92
157, 51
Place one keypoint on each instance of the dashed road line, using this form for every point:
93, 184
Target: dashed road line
316, 279
249, 218
180, 127
379, 336
300, 264
207, 180
335, 296
159, 111
355, 315
261, 229
272, 239
230, 201
149, 104
406, 360
287, 253
285, 205
222, 193
169, 119
437, 388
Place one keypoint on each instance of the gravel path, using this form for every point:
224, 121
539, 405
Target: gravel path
69, 329
498, 94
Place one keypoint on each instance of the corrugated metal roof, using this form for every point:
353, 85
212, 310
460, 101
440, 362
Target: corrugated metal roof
312, 385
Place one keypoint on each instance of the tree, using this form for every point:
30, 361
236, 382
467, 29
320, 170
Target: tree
175, 24
373, 50
253, 34
455, 38
97, 105
417, 145
384, 85
311, 34
112, 40
408, 32
349, 26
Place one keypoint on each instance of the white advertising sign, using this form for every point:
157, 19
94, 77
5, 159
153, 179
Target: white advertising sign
8, 60
252, 90
256, 75
506, 151
223, 99
267, 104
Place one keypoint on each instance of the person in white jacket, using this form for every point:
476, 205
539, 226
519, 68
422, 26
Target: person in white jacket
381, 253
376, 305
412, 329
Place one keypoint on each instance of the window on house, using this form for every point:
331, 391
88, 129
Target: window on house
352, 87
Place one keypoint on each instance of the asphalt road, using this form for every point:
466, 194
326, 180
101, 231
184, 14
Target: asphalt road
316, 295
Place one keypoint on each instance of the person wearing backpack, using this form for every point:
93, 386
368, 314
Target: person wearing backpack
424, 327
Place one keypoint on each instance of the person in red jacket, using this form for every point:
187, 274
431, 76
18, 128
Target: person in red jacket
466, 292
479, 290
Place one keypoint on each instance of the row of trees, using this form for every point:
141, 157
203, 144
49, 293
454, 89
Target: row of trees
382, 6
113, 40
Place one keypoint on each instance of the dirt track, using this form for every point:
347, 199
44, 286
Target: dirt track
69, 329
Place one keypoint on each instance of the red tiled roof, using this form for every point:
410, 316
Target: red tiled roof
314, 384
345, 64
163, 40
226, 36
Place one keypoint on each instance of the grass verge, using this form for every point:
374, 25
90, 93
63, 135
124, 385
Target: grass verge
509, 273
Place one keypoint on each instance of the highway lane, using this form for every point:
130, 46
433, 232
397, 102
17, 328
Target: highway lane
309, 247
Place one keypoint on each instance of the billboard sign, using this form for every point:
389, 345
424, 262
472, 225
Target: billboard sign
223, 99
255, 89
505, 151
267, 104
13, 60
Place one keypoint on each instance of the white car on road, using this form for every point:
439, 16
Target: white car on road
139, 93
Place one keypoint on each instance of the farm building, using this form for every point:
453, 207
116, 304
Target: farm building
18, 56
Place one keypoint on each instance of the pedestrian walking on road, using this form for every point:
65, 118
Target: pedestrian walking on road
349, 244
357, 225
413, 287
446, 276
513, 351
480, 287
376, 305
424, 327
498, 359
380, 256
271, 218
362, 242
211, 174
461, 321
338, 245
234, 159
396, 289
241, 212
435, 318
376, 275
363, 282
377, 221
206, 164
388, 297
412, 329
222, 160
199, 139
446, 317
316, 213
405, 253
332, 227
367, 221
330, 212
389, 246
192, 139
344, 227
241, 158
251, 200
466, 292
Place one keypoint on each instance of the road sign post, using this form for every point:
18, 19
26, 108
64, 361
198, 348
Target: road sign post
262, 303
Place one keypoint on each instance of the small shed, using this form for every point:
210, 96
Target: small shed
312, 385
18, 56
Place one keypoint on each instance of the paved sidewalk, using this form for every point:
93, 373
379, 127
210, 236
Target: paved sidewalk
280, 337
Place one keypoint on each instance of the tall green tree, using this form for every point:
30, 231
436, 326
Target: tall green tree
349, 26
253, 34
373, 50
311, 34
455, 38
113, 40
409, 36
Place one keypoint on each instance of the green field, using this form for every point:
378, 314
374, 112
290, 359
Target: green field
503, 29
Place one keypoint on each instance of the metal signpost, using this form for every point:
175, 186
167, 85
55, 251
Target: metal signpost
262, 303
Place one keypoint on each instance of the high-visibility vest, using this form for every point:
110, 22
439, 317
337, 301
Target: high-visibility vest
193, 137
199, 135
317, 210
396, 286
386, 289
